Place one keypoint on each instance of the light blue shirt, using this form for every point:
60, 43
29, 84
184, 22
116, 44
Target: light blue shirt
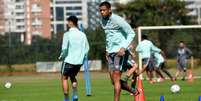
74, 47
144, 48
119, 33
158, 57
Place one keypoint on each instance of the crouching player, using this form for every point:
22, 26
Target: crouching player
130, 66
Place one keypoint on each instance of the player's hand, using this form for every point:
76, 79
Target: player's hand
121, 52
59, 58
106, 56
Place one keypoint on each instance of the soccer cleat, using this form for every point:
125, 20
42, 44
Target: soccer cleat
75, 98
173, 79
183, 79
152, 81
135, 92
160, 79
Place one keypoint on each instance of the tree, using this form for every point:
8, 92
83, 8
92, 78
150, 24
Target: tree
156, 13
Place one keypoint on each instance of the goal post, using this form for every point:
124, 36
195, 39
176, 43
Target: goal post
144, 28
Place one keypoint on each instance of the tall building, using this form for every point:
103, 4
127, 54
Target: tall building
1, 17
62, 9
195, 9
38, 19
26, 18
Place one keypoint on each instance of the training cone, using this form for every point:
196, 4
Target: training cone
140, 97
190, 76
162, 98
199, 98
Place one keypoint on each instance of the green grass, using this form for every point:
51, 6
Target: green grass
46, 87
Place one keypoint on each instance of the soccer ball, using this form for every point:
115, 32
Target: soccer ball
175, 88
8, 85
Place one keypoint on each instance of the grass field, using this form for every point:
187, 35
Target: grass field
46, 87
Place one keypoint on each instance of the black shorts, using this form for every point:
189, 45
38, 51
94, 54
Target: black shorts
69, 69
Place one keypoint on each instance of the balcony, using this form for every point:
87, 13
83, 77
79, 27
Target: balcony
36, 22
36, 8
20, 23
36, 33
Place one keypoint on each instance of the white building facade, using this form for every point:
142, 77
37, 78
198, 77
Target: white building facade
62, 9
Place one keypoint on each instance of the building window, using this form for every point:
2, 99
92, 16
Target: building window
60, 27
59, 13
74, 8
74, 13
36, 8
69, 2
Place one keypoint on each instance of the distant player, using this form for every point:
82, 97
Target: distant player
74, 48
144, 48
119, 35
183, 53
159, 59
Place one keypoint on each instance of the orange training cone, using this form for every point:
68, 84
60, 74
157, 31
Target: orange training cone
190, 76
140, 97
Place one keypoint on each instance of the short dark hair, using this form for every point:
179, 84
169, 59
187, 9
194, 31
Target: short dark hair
144, 36
105, 3
181, 42
74, 19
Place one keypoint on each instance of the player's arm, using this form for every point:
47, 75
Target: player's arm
132, 54
64, 50
177, 56
163, 54
155, 49
130, 34
138, 49
189, 52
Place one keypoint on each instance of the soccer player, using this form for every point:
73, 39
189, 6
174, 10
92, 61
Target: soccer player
119, 35
183, 53
74, 48
144, 48
159, 58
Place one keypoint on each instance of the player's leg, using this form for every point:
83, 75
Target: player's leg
133, 84
145, 63
130, 72
184, 69
178, 69
64, 81
65, 87
116, 76
158, 72
150, 72
163, 68
114, 64
150, 69
160, 75
75, 70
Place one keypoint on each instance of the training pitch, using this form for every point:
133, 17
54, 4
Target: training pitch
46, 87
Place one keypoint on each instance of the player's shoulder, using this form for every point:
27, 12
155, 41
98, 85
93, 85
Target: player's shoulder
146, 41
116, 17
66, 34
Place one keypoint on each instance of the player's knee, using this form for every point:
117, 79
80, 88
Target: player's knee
74, 84
64, 77
112, 82
73, 79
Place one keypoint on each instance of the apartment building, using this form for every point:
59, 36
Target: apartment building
62, 9
25, 19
